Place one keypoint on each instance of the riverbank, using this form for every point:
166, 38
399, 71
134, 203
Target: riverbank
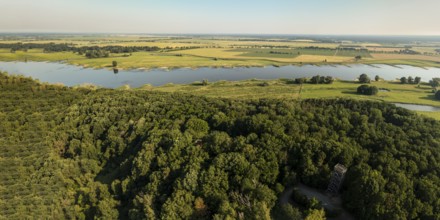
282, 89
245, 83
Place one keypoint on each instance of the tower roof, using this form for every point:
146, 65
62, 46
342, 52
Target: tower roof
340, 168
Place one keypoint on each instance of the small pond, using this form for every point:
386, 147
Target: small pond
414, 107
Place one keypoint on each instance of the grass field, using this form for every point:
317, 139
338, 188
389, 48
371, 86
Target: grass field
149, 60
276, 56
38, 55
255, 89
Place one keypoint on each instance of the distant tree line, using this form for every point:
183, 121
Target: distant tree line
408, 51
316, 48
353, 49
279, 52
52, 47
48, 47
97, 53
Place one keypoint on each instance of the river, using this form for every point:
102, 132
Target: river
71, 75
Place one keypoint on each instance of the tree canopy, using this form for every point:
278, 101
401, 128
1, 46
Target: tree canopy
364, 78
82, 153
367, 90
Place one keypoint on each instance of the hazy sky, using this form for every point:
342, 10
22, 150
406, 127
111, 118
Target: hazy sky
391, 17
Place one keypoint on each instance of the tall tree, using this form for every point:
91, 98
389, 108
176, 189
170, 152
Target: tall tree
363, 78
403, 80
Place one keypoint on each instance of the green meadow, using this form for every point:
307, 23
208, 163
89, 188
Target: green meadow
284, 89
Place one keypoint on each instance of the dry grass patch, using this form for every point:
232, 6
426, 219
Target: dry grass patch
379, 56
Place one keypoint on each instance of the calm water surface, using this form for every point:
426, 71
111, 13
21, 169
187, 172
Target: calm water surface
414, 107
71, 75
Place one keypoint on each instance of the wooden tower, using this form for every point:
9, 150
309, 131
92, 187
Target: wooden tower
336, 179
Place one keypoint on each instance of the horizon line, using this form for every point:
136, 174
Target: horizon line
214, 34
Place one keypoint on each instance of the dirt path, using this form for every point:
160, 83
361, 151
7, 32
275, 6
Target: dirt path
332, 203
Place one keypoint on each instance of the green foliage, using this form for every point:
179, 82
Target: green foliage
410, 80
97, 53
403, 80
316, 214
79, 153
435, 82
417, 80
300, 80
196, 127
437, 95
321, 79
286, 212
367, 90
205, 82
363, 78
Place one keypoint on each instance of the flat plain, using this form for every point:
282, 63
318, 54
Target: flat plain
227, 51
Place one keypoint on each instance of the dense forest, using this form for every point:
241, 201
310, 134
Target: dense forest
80, 153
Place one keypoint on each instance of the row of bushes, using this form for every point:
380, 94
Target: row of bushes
315, 80
410, 80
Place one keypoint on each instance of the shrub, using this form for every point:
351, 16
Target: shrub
300, 80
264, 84
322, 79
205, 82
329, 80
315, 79
367, 90
437, 95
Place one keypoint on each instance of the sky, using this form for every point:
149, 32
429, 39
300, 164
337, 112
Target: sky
326, 17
